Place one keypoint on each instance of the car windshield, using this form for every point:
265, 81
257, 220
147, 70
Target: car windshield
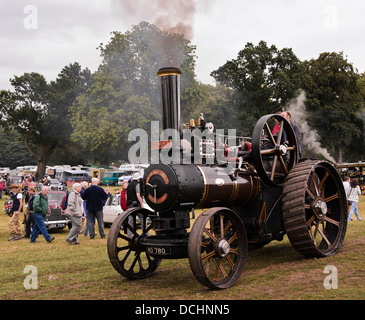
57, 196
113, 201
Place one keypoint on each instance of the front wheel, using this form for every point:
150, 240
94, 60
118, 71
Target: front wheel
125, 249
218, 248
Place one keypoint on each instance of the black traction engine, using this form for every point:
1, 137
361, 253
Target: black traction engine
251, 193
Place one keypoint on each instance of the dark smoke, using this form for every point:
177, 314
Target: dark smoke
173, 16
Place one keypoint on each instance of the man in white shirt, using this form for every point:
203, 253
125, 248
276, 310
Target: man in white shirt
347, 187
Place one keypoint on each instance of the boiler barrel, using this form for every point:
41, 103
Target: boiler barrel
170, 187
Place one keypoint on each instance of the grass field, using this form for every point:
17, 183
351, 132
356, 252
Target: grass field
84, 272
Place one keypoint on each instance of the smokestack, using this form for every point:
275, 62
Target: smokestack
170, 85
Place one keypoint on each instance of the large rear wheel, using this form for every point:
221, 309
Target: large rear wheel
315, 209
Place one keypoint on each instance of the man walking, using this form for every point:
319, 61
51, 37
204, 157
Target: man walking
74, 210
40, 209
95, 197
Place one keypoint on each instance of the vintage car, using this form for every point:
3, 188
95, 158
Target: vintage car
56, 217
56, 185
112, 209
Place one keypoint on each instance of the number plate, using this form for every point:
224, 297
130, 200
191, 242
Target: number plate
158, 251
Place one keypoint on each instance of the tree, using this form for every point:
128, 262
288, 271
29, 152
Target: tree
13, 151
125, 91
263, 78
38, 110
333, 101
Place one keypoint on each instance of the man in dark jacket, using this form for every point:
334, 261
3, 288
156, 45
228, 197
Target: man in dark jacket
40, 210
95, 197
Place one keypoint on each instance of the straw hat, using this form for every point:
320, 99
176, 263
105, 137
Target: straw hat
14, 186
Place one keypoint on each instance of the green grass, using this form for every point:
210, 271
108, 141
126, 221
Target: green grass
84, 272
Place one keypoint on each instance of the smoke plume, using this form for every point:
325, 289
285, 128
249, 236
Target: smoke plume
311, 147
174, 16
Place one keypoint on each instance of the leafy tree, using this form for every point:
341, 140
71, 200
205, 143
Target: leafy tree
333, 100
38, 110
13, 151
263, 78
125, 91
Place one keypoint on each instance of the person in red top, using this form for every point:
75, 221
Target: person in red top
2, 187
123, 196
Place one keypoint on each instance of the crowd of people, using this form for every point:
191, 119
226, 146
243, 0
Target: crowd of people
84, 203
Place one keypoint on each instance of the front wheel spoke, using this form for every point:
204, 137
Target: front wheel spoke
126, 257
136, 259
119, 249
124, 237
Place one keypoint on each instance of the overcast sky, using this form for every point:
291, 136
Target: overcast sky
43, 36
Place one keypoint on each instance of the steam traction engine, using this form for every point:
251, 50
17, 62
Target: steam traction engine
258, 194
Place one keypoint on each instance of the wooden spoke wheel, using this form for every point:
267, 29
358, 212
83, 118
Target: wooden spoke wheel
125, 249
274, 149
218, 248
315, 209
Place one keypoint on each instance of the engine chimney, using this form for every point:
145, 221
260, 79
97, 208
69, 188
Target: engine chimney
170, 85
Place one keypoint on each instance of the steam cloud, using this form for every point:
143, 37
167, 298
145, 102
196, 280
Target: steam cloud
310, 144
174, 16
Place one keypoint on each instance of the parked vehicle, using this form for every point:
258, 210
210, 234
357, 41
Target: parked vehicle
71, 176
56, 185
8, 205
111, 177
130, 170
56, 217
112, 209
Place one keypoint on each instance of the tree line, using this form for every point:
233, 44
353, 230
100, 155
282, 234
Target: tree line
85, 117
